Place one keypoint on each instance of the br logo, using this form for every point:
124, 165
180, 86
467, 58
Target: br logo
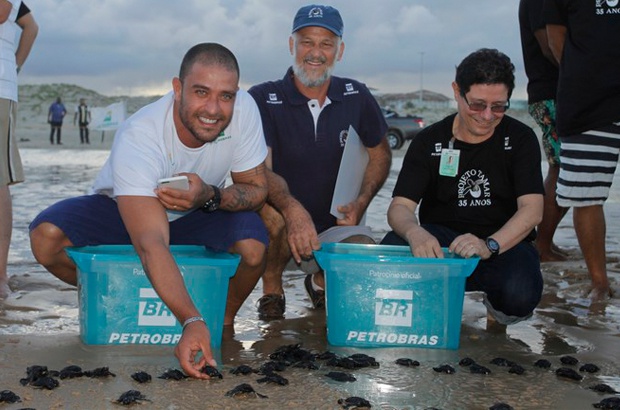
152, 311
393, 307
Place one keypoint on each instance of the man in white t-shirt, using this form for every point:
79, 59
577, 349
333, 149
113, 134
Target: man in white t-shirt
205, 129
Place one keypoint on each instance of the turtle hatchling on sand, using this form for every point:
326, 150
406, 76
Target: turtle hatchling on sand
7, 396
274, 379
407, 362
243, 369
212, 372
568, 374
354, 402
172, 374
610, 403
99, 372
341, 376
445, 368
131, 397
244, 390
501, 406
603, 388
141, 377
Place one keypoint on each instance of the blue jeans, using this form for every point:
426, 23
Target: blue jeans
512, 281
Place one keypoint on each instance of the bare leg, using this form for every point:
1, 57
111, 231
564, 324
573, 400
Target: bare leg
278, 253
6, 227
48, 242
590, 227
248, 273
552, 215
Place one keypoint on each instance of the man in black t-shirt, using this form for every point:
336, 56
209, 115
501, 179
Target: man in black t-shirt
585, 38
476, 176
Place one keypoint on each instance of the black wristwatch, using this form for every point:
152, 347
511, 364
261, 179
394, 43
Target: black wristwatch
213, 204
493, 247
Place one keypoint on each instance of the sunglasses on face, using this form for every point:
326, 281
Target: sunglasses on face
480, 106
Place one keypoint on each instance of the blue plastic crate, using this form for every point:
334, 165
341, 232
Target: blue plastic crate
118, 305
380, 295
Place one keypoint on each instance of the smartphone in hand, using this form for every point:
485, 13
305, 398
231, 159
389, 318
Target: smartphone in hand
179, 182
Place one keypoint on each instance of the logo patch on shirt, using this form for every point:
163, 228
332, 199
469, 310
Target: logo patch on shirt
507, 146
273, 99
474, 189
607, 7
350, 89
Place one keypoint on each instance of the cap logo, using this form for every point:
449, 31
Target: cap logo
316, 12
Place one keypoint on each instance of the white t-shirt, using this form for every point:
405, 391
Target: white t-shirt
8, 46
146, 148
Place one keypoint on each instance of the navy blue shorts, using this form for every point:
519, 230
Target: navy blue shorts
95, 220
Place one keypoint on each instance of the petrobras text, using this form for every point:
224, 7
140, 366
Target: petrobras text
392, 338
144, 338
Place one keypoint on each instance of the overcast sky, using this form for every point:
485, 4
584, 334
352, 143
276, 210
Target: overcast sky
134, 47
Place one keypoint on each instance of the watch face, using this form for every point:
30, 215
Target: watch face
492, 245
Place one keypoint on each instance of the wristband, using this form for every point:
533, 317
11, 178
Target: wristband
192, 320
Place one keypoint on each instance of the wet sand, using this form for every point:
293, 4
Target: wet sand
39, 325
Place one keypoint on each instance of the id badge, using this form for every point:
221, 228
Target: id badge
449, 163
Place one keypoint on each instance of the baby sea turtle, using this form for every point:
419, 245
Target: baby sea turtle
273, 378
99, 372
543, 363
290, 354
501, 406
516, 369
131, 397
354, 402
479, 369
568, 374
141, 377
244, 390
445, 368
610, 403
407, 362
500, 361
70, 372
45, 382
589, 368
271, 366
569, 360
603, 388
243, 369
172, 374
33, 373
466, 361
7, 396
341, 376
305, 364
211, 371
363, 360
325, 355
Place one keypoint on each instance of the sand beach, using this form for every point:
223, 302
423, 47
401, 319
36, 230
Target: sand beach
39, 326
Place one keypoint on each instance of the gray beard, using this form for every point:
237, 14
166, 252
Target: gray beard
301, 75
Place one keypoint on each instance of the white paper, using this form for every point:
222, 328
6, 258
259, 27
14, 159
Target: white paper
351, 173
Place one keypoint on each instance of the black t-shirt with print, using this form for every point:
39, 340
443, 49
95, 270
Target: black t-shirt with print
491, 175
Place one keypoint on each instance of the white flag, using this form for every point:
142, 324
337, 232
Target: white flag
108, 118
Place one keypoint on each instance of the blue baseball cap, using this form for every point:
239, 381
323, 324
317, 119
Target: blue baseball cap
321, 16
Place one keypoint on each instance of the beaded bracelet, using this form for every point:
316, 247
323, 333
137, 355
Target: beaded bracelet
192, 320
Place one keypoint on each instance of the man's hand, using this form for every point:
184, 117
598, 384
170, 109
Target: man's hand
185, 200
302, 235
423, 244
468, 245
194, 340
352, 212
